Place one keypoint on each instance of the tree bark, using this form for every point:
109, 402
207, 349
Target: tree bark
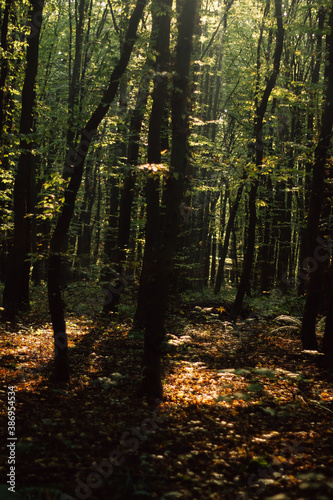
225, 247
315, 77
328, 335
16, 293
308, 331
162, 24
158, 283
260, 113
58, 240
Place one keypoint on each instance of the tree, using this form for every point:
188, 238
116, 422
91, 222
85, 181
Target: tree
156, 282
61, 366
258, 130
308, 332
16, 293
161, 13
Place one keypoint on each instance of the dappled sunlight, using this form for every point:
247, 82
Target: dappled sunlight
230, 417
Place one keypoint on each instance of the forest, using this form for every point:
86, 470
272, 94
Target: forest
166, 249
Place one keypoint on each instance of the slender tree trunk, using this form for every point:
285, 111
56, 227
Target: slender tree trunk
74, 97
315, 77
4, 63
217, 248
16, 293
328, 335
265, 258
158, 283
59, 236
4, 98
228, 229
85, 235
98, 218
162, 23
308, 332
127, 194
110, 244
260, 113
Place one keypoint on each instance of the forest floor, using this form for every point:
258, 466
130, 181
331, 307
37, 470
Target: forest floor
245, 415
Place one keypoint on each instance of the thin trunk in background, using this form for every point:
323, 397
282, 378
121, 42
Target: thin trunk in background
259, 119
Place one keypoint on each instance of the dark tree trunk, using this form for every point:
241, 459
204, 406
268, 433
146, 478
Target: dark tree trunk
74, 97
4, 62
98, 218
225, 247
110, 245
127, 194
328, 335
249, 254
158, 283
85, 235
315, 77
308, 332
16, 293
234, 276
265, 257
162, 23
58, 240
119, 152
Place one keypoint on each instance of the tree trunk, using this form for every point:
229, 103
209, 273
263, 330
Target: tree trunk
328, 335
16, 293
58, 240
158, 283
315, 77
162, 23
74, 97
127, 194
86, 229
228, 229
260, 113
308, 332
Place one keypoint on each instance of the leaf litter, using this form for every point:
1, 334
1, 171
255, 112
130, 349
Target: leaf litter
245, 414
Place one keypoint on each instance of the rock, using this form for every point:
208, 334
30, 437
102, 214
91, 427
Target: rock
288, 320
